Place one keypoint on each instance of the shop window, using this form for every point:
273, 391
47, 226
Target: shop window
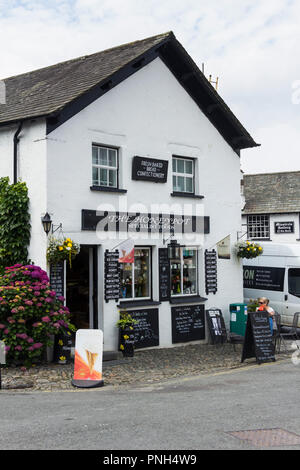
259, 226
105, 166
136, 277
184, 273
294, 282
183, 175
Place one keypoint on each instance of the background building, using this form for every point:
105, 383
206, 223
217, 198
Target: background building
271, 209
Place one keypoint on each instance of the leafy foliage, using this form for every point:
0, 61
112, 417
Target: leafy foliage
248, 250
14, 223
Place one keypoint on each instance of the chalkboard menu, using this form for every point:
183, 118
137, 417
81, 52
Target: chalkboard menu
149, 169
57, 278
188, 323
258, 338
216, 326
284, 227
146, 331
111, 276
164, 274
211, 271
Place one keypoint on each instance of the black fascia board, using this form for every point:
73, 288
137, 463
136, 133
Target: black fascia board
81, 102
202, 92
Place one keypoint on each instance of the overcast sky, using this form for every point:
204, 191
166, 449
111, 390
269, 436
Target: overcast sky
252, 45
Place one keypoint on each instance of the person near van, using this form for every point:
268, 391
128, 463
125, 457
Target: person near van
264, 306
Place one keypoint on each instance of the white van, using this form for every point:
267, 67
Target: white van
276, 275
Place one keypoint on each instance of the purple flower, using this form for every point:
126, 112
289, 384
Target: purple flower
7, 348
30, 340
22, 335
18, 348
2, 326
37, 345
46, 319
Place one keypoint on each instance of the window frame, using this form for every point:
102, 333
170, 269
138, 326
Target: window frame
184, 175
106, 167
174, 296
289, 277
259, 227
125, 299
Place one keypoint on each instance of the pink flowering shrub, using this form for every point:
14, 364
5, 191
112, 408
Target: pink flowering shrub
30, 312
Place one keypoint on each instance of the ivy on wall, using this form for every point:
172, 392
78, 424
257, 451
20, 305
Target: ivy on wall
14, 223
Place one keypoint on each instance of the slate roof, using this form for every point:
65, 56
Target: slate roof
43, 91
270, 193
62, 90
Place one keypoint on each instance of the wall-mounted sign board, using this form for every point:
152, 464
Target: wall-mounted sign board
188, 323
107, 221
57, 278
211, 284
111, 275
284, 227
258, 338
150, 169
164, 274
146, 331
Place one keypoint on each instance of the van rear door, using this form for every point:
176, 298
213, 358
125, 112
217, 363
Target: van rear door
292, 298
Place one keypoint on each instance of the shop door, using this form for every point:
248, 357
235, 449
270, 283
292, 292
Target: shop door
81, 288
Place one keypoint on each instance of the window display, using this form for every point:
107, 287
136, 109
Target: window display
184, 273
135, 277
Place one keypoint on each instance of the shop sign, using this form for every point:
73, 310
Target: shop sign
149, 169
139, 222
284, 227
258, 338
263, 278
88, 359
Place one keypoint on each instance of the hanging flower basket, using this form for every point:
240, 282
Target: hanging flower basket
248, 250
61, 249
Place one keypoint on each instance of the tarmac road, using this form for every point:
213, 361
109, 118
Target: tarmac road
191, 413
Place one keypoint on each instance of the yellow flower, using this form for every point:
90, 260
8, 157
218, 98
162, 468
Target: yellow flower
69, 244
60, 248
126, 337
121, 347
62, 358
60, 342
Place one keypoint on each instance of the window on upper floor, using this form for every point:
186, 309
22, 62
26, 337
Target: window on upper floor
183, 175
104, 166
258, 227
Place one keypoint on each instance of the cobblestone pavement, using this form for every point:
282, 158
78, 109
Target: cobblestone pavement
146, 367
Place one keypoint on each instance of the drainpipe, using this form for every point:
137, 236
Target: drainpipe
16, 141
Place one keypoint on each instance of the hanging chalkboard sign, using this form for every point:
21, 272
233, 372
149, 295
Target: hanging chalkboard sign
216, 325
57, 278
111, 276
146, 331
188, 323
211, 271
258, 338
164, 274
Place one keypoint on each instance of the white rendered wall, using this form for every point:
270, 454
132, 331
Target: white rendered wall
281, 237
32, 170
149, 114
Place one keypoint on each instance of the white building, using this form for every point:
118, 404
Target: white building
72, 131
271, 209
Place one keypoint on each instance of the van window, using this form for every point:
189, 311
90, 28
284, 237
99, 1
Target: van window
294, 282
